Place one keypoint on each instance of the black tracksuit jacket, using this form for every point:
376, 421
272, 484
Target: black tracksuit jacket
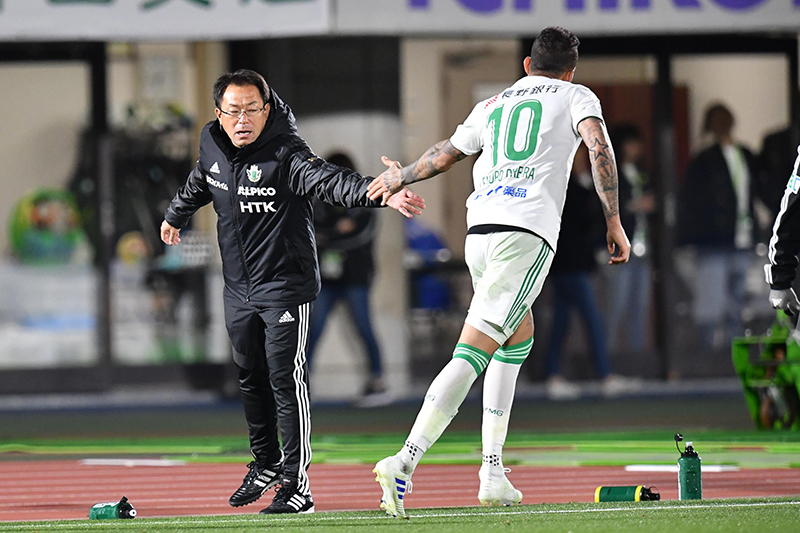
785, 243
262, 194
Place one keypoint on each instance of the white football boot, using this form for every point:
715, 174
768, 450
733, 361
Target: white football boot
395, 485
496, 489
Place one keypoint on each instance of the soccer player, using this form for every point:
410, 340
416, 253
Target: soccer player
261, 176
527, 136
784, 246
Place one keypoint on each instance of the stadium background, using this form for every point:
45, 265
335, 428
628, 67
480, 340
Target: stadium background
106, 99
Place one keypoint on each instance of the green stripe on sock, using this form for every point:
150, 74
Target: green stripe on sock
477, 351
514, 354
523, 347
512, 360
521, 353
468, 358
475, 357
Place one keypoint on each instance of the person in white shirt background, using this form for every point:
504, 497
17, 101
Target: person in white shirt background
716, 218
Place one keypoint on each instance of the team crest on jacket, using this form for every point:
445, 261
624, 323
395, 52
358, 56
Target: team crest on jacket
254, 173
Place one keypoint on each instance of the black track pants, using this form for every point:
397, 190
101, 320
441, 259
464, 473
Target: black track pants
270, 351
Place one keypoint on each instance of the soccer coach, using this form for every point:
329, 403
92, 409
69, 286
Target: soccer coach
261, 177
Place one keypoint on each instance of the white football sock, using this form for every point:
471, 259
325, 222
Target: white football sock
441, 404
499, 385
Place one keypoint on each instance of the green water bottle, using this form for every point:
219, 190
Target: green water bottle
112, 510
690, 484
633, 493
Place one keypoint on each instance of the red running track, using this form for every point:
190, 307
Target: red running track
47, 490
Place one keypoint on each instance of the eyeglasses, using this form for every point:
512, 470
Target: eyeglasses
251, 113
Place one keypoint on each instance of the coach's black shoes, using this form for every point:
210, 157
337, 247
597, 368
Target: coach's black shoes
290, 500
256, 483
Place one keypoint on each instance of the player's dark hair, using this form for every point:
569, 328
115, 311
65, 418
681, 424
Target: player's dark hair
240, 78
554, 51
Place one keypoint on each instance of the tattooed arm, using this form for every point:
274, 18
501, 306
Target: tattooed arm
604, 172
437, 159
604, 167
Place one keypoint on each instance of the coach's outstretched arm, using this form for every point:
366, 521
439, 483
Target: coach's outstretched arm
436, 159
604, 172
193, 195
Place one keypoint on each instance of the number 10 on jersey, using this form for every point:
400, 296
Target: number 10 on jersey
509, 143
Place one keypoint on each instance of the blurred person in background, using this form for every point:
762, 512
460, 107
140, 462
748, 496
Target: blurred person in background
261, 177
345, 250
571, 276
784, 247
530, 130
629, 287
717, 219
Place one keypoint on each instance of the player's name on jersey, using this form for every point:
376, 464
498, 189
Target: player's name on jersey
496, 176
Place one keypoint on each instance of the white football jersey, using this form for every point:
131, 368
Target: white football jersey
528, 136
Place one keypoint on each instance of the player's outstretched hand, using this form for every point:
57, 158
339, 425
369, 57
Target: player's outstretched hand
405, 201
618, 241
388, 182
169, 234
785, 300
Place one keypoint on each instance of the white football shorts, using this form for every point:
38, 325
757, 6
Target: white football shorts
508, 270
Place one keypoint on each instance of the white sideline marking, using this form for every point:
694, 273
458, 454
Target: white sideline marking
674, 468
250, 519
131, 462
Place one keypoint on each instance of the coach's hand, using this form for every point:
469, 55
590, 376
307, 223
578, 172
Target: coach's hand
169, 234
785, 300
387, 183
405, 201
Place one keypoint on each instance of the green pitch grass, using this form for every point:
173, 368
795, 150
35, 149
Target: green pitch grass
762, 515
749, 449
